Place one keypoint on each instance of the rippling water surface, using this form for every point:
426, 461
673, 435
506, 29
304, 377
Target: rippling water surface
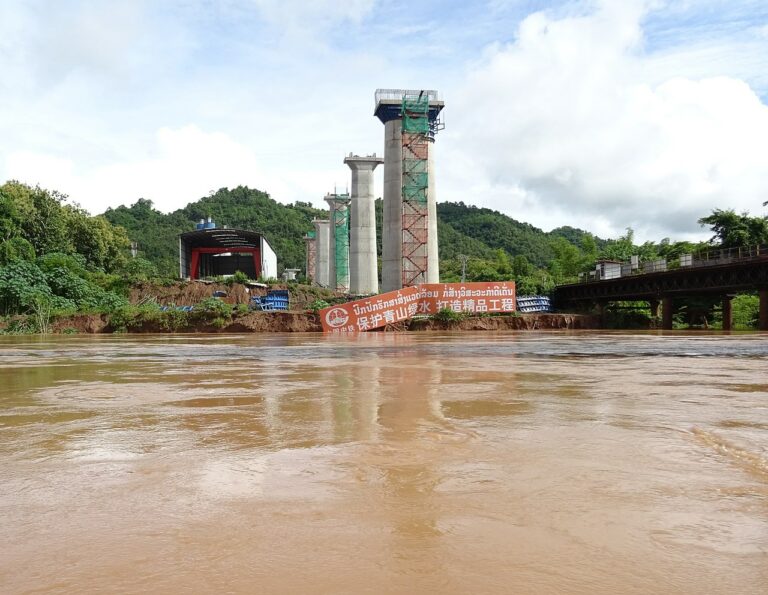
385, 463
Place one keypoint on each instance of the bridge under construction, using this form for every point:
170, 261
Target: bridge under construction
344, 247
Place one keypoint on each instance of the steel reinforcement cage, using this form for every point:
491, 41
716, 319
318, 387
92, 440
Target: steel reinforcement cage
415, 188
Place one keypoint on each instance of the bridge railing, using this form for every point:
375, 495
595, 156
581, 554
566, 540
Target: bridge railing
704, 258
728, 255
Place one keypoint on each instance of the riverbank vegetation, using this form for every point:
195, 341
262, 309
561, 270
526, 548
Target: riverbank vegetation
57, 260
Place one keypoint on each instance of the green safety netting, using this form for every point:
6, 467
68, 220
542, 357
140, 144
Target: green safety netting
341, 246
416, 114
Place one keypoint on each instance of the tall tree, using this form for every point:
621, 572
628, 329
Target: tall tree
732, 230
41, 219
103, 245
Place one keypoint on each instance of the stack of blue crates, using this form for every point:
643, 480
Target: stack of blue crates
533, 303
276, 299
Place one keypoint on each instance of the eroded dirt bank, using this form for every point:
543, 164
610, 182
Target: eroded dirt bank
189, 293
521, 322
303, 322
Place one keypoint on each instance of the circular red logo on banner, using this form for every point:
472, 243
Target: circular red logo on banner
336, 317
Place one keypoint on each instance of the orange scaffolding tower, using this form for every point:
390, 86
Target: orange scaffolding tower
415, 222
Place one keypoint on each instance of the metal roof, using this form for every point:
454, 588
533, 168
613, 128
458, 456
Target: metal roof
222, 238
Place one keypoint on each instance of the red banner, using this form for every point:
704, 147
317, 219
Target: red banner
474, 298
371, 313
426, 299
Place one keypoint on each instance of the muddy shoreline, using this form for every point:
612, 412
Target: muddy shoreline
301, 319
306, 322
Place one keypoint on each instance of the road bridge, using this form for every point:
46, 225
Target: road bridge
714, 273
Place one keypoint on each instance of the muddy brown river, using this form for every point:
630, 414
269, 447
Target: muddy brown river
588, 462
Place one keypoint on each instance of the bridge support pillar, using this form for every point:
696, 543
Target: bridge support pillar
666, 313
601, 307
654, 305
763, 319
727, 313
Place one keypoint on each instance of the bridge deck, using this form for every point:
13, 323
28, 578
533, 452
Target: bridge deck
716, 276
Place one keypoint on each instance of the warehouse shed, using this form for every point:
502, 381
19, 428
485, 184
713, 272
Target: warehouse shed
209, 252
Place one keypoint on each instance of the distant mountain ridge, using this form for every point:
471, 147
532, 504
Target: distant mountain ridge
463, 229
466, 229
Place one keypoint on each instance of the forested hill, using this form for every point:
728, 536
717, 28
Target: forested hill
242, 208
480, 232
463, 229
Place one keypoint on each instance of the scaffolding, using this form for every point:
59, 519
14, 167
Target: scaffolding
311, 242
416, 134
340, 222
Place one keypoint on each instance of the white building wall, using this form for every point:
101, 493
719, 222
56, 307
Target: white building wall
268, 260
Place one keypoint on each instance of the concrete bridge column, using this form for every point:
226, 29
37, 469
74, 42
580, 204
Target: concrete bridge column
654, 305
763, 319
727, 313
666, 313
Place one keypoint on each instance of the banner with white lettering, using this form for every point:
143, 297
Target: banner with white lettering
426, 299
370, 313
473, 298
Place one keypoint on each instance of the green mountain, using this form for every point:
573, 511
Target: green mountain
463, 229
157, 233
480, 232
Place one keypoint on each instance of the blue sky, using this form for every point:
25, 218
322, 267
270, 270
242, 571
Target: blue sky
601, 115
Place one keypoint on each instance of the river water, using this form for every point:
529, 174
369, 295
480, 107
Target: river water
385, 463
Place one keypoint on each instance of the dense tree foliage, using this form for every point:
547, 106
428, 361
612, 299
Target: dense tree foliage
487, 239
733, 230
496, 231
463, 230
55, 257
40, 219
154, 232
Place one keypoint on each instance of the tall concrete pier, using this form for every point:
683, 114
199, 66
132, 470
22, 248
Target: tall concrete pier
322, 252
338, 260
409, 236
363, 262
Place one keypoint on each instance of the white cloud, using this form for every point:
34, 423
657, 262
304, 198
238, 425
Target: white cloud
572, 116
283, 12
183, 165
599, 119
103, 117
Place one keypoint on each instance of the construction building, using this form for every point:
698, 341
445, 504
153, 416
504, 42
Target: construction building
209, 251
